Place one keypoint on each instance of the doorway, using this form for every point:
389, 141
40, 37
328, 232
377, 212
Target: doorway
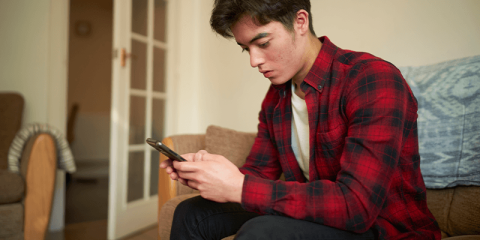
89, 104
127, 98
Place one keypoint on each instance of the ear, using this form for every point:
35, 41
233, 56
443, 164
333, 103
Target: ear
301, 23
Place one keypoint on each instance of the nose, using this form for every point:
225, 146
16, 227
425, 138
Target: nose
256, 58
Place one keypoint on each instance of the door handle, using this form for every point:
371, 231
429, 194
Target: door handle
123, 57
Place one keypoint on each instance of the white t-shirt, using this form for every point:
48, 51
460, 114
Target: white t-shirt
300, 132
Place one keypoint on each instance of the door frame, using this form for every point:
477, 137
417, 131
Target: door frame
119, 209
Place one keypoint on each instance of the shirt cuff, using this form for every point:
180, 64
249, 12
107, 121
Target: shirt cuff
257, 194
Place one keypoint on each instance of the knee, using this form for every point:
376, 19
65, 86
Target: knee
187, 210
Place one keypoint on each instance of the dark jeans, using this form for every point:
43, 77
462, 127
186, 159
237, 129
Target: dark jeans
197, 218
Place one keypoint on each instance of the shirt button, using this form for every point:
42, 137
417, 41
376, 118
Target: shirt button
319, 87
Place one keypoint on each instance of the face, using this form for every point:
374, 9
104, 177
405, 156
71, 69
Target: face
272, 48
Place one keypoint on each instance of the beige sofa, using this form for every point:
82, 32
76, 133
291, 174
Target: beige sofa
457, 210
25, 198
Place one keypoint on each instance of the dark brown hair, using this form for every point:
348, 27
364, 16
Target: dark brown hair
225, 13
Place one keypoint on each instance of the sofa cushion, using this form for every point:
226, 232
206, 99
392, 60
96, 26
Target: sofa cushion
233, 145
448, 97
11, 220
465, 237
438, 202
12, 187
464, 215
456, 210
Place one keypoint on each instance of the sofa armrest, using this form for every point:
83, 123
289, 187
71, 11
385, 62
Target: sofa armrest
167, 188
38, 167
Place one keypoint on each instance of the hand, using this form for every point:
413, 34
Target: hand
214, 176
168, 165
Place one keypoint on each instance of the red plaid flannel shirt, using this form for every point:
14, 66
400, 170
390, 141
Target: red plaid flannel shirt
364, 160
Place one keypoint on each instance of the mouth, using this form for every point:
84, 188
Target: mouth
267, 74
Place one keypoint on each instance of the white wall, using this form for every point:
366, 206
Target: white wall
33, 61
33, 50
407, 32
231, 90
24, 51
228, 92
212, 82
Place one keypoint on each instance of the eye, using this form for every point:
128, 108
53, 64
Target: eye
245, 49
264, 45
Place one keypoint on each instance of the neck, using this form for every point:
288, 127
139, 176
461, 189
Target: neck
312, 49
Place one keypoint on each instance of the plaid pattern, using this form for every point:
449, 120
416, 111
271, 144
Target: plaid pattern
364, 160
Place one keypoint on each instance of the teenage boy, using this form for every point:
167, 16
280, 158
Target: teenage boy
340, 125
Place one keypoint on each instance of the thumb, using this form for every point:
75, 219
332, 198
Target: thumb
213, 157
199, 156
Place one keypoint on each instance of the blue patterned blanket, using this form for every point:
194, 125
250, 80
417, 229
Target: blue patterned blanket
448, 96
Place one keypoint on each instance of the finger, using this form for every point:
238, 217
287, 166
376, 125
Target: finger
212, 157
187, 175
183, 181
186, 166
197, 157
176, 165
174, 176
192, 184
189, 156
166, 163
170, 170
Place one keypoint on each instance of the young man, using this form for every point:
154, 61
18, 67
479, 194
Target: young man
340, 125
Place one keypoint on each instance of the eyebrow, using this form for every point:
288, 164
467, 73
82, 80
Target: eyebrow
258, 36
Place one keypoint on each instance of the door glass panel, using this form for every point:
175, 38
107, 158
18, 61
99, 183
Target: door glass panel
158, 70
138, 73
139, 16
137, 120
158, 109
154, 173
135, 176
160, 20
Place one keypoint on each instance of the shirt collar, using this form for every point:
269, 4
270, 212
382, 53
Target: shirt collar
320, 71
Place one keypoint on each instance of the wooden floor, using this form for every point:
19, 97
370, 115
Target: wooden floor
97, 230
87, 207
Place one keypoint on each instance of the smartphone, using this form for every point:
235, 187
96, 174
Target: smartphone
165, 150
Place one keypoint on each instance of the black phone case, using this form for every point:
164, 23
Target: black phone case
164, 150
